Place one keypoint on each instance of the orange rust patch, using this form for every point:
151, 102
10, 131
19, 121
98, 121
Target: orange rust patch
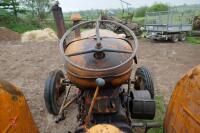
76, 17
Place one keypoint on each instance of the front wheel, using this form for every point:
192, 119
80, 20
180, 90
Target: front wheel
54, 92
144, 81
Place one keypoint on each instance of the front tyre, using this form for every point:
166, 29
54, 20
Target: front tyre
54, 91
144, 81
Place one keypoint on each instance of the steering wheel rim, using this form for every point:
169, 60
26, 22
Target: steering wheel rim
134, 46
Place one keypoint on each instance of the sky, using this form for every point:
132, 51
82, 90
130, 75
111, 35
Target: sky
77, 5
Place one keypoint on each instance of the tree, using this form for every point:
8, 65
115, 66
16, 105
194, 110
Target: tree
40, 8
140, 12
158, 7
11, 5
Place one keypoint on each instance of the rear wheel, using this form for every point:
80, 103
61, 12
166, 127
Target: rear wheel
174, 38
54, 92
144, 81
182, 37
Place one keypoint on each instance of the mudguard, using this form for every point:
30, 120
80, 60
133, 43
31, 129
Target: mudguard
15, 116
183, 113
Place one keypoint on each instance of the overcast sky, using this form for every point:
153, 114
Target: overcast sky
77, 5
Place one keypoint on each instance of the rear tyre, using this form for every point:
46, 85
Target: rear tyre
54, 92
182, 37
174, 38
144, 81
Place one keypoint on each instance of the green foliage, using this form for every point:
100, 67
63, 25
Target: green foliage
25, 22
8, 20
6, 17
37, 8
4, 14
140, 12
12, 5
86, 15
22, 27
158, 7
193, 40
126, 16
139, 20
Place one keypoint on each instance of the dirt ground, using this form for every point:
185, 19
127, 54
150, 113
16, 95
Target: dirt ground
27, 65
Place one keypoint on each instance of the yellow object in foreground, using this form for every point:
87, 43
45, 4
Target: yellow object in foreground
15, 116
183, 113
104, 128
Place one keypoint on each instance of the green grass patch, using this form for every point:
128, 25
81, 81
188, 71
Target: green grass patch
22, 27
193, 40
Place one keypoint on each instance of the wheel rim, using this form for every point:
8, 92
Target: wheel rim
183, 37
59, 95
175, 38
139, 83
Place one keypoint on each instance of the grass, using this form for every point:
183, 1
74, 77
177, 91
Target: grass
193, 40
22, 27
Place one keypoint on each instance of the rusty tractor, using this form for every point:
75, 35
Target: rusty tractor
98, 62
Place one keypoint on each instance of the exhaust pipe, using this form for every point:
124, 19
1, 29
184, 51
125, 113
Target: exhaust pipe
59, 20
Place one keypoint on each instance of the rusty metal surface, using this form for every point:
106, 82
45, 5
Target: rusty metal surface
107, 61
84, 77
107, 108
76, 17
87, 118
115, 67
183, 113
104, 128
15, 116
77, 31
59, 20
88, 60
134, 44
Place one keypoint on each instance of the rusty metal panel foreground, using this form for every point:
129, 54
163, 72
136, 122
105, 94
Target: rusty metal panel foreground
15, 116
183, 113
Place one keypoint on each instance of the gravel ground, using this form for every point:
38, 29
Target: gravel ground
27, 65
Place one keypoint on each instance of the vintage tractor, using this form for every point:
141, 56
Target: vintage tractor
99, 63
182, 115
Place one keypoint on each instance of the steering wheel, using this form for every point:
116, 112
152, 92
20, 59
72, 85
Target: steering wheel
98, 50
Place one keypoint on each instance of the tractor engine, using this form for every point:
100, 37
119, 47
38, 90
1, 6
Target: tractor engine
113, 106
110, 107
